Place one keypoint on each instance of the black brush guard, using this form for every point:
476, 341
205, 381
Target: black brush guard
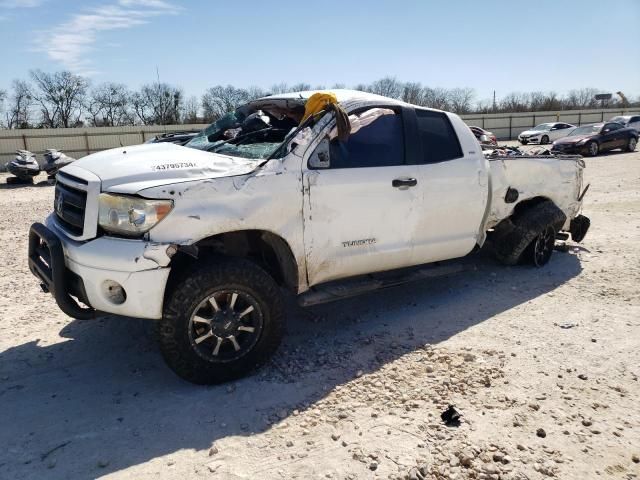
46, 261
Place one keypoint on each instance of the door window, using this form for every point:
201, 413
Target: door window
613, 126
439, 140
376, 144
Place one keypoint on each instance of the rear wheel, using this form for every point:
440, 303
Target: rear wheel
631, 146
515, 238
592, 149
544, 140
221, 321
540, 249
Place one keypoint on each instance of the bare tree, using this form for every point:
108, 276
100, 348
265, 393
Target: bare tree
461, 99
436, 98
254, 92
218, 101
60, 96
412, 92
108, 105
301, 87
514, 102
387, 87
18, 112
582, 98
279, 88
191, 109
158, 103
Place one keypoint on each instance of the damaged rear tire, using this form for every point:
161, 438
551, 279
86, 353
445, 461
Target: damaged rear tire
529, 235
221, 321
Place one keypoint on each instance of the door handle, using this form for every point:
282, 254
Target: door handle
404, 182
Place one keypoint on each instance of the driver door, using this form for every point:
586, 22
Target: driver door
360, 202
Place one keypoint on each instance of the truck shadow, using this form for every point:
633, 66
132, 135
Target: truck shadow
103, 401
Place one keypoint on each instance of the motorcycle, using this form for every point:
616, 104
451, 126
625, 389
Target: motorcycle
24, 166
54, 160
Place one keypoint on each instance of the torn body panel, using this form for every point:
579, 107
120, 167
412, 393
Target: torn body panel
558, 179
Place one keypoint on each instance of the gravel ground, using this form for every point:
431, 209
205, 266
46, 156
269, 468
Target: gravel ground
542, 364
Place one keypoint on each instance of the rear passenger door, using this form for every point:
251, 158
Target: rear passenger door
453, 180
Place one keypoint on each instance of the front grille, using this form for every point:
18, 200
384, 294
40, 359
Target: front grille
70, 204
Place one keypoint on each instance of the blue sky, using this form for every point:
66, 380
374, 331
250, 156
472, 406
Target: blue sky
504, 45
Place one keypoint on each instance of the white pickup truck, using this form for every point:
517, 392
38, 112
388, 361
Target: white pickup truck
206, 237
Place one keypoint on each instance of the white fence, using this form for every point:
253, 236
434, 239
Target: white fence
78, 142
507, 126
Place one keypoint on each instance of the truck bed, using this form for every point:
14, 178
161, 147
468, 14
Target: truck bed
556, 177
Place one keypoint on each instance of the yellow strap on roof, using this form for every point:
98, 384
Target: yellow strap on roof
317, 102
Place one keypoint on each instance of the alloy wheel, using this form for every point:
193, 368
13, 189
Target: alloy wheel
226, 325
543, 246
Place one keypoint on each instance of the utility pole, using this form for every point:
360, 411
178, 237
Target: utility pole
494, 101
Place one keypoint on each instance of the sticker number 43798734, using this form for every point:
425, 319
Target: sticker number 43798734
173, 166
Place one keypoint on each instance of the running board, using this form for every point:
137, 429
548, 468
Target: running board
328, 292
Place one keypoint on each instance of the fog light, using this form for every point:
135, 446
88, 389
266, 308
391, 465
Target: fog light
113, 292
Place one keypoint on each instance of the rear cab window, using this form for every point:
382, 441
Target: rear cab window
437, 137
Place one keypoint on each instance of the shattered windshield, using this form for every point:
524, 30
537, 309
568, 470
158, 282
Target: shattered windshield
254, 135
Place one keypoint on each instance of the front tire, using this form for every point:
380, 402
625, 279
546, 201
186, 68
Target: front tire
631, 146
221, 321
544, 140
592, 149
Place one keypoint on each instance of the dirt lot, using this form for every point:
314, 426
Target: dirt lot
542, 364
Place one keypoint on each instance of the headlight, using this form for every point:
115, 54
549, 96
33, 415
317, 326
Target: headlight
130, 216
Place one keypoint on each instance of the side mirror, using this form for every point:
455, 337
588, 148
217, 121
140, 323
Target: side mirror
321, 158
606, 130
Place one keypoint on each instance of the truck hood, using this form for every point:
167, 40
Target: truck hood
131, 169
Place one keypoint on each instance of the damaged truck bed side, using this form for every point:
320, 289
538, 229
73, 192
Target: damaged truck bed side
295, 191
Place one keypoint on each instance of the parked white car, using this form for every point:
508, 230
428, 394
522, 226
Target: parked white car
630, 121
545, 133
204, 238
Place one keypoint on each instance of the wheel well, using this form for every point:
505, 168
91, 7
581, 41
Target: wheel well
268, 250
525, 205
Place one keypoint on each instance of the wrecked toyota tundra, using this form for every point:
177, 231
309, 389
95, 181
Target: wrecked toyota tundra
283, 195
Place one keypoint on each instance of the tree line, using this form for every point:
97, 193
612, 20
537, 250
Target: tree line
64, 99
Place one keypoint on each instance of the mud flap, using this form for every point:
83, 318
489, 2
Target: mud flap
579, 227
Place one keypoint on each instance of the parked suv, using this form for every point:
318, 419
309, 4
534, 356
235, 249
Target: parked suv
630, 121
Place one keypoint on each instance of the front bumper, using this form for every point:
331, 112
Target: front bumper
569, 149
85, 270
